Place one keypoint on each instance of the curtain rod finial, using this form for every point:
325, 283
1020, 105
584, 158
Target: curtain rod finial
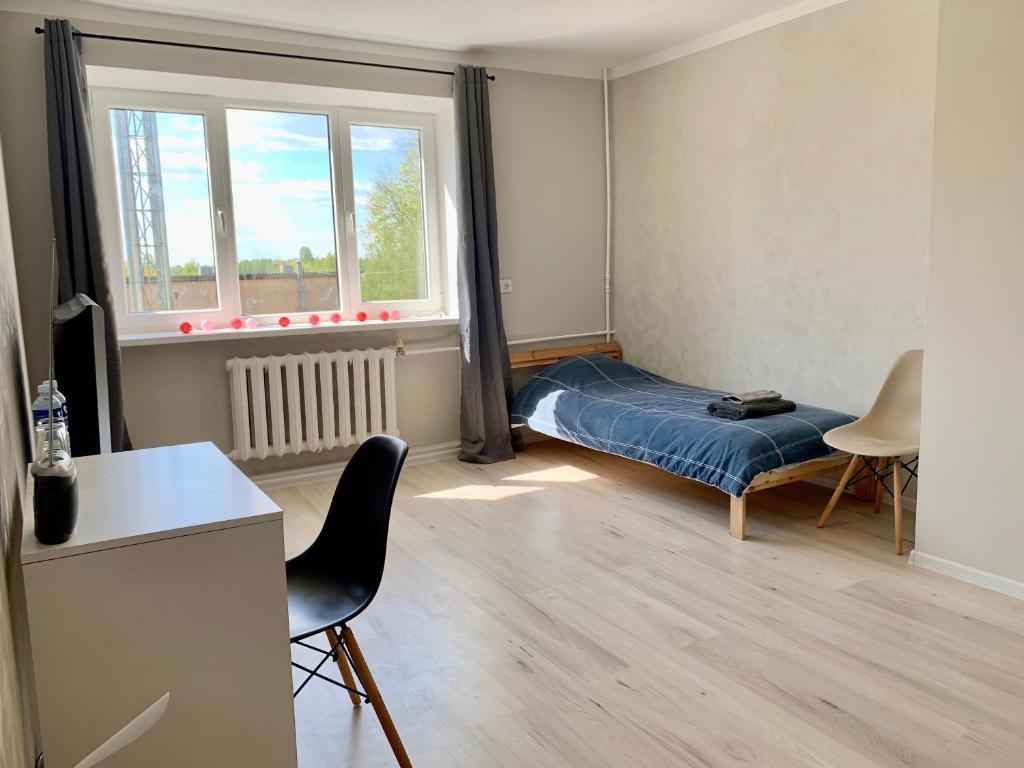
39, 30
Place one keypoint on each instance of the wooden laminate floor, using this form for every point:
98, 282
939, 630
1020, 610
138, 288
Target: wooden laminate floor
574, 609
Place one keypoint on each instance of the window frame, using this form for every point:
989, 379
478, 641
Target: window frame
214, 108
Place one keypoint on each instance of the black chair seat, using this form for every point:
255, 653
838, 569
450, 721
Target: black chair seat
319, 600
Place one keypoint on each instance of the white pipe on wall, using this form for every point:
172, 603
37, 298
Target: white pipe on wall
559, 338
607, 216
434, 350
429, 351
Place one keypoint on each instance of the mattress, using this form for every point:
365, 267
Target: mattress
612, 406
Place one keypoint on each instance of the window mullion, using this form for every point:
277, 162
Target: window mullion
346, 225
223, 211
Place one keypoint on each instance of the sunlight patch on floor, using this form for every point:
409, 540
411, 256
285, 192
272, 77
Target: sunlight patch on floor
563, 474
481, 492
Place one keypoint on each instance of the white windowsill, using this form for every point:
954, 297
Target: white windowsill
275, 331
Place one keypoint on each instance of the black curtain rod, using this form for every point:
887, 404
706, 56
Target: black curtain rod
225, 49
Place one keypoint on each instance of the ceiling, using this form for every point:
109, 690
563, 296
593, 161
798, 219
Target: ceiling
587, 32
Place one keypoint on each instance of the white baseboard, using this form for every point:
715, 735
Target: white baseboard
967, 573
420, 454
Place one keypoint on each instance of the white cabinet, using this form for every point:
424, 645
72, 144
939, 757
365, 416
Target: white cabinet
174, 581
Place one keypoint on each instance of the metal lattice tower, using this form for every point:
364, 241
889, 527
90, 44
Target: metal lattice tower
142, 209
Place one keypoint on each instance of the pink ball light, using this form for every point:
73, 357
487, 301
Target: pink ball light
336, 317
206, 325
314, 319
251, 323
396, 315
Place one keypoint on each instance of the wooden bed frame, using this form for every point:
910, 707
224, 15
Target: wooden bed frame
791, 473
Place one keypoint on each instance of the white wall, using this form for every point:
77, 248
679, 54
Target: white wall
772, 200
970, 511
548, 156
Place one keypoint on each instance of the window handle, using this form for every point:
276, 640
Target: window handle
222, 226
350, 219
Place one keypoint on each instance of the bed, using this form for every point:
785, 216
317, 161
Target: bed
588, 396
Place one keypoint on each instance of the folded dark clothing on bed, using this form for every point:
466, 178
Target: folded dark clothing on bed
757, 396
739, 411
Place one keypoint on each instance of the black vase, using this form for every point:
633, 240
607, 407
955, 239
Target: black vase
55, 498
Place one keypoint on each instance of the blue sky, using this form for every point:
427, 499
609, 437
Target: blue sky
281, 181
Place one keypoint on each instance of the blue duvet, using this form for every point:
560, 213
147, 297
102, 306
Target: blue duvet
615, 407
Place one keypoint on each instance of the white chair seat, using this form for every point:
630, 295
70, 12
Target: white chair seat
859, 440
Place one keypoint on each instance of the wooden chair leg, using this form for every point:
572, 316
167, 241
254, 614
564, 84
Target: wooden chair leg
838, 492
346, 673
370, 687
897, 503
879, 488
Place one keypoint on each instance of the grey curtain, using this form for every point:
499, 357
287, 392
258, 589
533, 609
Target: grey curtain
76, 221
486, 376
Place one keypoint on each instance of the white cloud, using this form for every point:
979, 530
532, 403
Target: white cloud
182, 161
182, 177
362, 199
246, 171
178, 153
372, 143
250, 132
189, 231
276, 218
168, 141
362, 186
189, 123
269, 194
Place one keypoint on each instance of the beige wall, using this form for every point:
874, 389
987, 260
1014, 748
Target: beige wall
15, 734
549, 178
772, 201
970, 510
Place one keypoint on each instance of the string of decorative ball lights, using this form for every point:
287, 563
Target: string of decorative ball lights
284, 321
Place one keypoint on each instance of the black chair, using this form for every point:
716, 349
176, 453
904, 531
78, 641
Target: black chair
337, 577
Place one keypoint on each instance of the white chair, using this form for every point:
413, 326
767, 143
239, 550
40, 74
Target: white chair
888, 432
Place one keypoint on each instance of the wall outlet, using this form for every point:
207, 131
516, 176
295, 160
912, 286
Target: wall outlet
505, 286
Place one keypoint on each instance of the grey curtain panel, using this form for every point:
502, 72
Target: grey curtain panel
76, 221
486, 376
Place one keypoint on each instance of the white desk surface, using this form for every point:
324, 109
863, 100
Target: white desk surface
151, 494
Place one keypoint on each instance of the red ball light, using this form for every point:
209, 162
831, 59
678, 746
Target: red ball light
314, 319
383, 314
185, 327
336, 317
360, 316
236, 323
283, 321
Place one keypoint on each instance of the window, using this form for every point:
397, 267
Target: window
224, 208
387, 175
283, 197
163, 195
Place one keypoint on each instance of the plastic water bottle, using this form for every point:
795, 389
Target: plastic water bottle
41, 406
49, 397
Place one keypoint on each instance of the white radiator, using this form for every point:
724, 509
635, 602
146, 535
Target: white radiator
311, 402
